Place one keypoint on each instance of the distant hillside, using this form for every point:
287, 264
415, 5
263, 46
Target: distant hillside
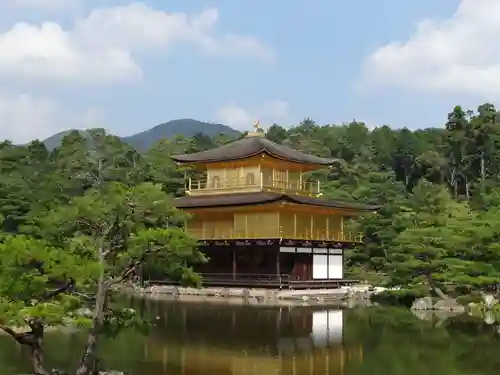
143, 140
185, 127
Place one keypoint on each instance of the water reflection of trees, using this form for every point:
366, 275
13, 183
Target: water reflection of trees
243, 340
395, 342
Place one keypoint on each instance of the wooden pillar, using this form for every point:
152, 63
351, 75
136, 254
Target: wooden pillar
234, 262
328, 228
312, 227
233, 323
278, 267
295, 235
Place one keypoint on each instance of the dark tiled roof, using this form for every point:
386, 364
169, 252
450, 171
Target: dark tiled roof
251, 146
246, 199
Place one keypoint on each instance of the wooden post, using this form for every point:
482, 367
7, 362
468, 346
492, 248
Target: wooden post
328, 228
278, 270
234, 263
312, 227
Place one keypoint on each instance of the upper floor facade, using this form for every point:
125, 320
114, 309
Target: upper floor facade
253, 164
230, 178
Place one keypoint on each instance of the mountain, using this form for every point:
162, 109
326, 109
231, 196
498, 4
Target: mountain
144, 140
184, 127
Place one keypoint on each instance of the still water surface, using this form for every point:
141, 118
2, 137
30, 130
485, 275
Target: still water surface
192, 339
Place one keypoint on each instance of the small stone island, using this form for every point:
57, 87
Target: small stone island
259, 219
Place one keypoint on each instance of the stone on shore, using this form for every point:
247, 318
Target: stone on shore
422, 304
450, 304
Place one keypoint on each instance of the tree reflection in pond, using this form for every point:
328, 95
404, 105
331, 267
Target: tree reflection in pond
191, 339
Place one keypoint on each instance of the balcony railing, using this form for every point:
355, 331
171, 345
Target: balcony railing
230, 234
234, 185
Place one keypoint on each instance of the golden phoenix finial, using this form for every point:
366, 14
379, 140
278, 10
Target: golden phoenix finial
256, 125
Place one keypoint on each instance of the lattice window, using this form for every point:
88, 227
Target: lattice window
250, 179
216, 182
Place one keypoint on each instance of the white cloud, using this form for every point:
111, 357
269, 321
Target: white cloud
459, 54
41, 4
240, 118
24, 118
104, 46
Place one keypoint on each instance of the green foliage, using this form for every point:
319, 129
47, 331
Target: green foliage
404, 297
97, 219
121, 318
95, 210
29, 270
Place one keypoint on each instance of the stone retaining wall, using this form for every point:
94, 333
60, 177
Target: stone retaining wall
356, 293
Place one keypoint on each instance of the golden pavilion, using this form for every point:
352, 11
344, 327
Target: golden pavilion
260, 220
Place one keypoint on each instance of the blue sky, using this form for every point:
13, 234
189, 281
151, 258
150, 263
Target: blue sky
129, 66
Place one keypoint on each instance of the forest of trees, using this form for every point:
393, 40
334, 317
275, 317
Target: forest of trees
81, 218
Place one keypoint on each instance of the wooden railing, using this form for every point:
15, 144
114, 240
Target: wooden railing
217, 186
230, 234
242, 279
282, 281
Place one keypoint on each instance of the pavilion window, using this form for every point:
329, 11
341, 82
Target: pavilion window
216, 182
250, 179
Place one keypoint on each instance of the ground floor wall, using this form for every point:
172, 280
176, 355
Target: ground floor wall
297, 263
315, 263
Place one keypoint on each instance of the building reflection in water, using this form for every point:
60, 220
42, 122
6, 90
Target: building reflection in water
214, 339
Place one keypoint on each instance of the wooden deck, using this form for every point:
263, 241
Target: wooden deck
283, 281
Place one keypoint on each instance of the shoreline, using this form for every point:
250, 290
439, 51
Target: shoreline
350, 295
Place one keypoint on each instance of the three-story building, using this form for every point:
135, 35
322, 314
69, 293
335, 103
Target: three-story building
260, 220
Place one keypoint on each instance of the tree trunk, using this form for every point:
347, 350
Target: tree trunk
467, 190
89, 359
452, 180
88, 363
483, 172
33, 340
37, 362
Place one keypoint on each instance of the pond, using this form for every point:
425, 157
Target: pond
196, 338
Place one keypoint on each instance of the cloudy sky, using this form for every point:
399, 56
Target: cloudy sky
127, 66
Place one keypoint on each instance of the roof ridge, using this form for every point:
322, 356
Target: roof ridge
251, 146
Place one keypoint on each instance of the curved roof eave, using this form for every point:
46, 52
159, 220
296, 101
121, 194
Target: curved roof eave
249, 147
247, 199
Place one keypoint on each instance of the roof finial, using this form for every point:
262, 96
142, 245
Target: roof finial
256, 125
258, 132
